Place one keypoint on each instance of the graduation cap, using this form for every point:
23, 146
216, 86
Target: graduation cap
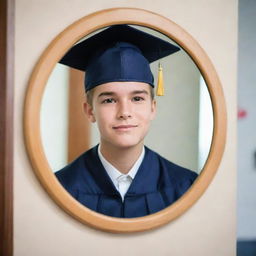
119, 53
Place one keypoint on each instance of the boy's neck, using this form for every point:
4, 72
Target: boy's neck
122, 159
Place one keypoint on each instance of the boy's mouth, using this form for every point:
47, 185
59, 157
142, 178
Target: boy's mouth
124, 127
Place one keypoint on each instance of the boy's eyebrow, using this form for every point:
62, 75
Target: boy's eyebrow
113, 93
106, 94
140, 92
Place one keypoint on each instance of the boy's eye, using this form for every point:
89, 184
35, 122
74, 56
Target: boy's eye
110, 100
137, 98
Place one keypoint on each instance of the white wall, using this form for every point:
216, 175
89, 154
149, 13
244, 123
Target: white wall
174, 132
208, 228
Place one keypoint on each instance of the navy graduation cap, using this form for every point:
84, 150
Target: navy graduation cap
117, 54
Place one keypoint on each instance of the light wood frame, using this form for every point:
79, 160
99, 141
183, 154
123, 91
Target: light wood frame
35, 90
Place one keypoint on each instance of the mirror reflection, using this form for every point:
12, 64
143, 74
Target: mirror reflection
180, 132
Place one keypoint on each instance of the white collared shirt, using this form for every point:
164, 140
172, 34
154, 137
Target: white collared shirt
121, 181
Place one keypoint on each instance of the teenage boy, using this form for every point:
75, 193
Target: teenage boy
121, 177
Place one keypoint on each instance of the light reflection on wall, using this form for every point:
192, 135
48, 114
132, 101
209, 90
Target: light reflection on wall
205, 124
54, 117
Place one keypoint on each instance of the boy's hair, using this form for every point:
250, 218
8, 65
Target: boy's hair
89, 95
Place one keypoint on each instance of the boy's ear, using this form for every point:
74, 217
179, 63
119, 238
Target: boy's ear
88, 110
153, 109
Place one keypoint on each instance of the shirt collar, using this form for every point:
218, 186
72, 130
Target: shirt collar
114, 173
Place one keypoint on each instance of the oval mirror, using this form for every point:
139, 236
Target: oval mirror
189, 129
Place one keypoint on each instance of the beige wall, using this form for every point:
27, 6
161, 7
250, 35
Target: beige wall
208, 228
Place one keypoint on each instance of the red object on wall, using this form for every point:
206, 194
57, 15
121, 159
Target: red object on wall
242, 113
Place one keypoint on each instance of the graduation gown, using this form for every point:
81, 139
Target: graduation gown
157, 184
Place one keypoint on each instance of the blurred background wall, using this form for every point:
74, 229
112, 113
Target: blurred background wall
246, 155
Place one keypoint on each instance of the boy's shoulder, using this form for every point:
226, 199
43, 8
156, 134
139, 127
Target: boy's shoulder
72, 175
174, 171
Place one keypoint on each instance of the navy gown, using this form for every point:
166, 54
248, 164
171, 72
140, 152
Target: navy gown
157, 184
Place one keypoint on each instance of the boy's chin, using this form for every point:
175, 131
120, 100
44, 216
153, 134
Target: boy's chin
126, 144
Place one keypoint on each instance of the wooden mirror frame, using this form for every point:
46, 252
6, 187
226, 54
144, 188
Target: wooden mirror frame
38, 81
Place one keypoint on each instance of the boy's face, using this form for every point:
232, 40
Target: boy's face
123, 111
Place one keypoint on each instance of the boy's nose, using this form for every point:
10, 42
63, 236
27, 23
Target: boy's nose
124, 111
124, 116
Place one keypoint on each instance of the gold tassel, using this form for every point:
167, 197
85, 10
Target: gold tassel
160, 83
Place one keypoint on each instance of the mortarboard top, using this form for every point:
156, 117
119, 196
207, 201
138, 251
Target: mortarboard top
118, 53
